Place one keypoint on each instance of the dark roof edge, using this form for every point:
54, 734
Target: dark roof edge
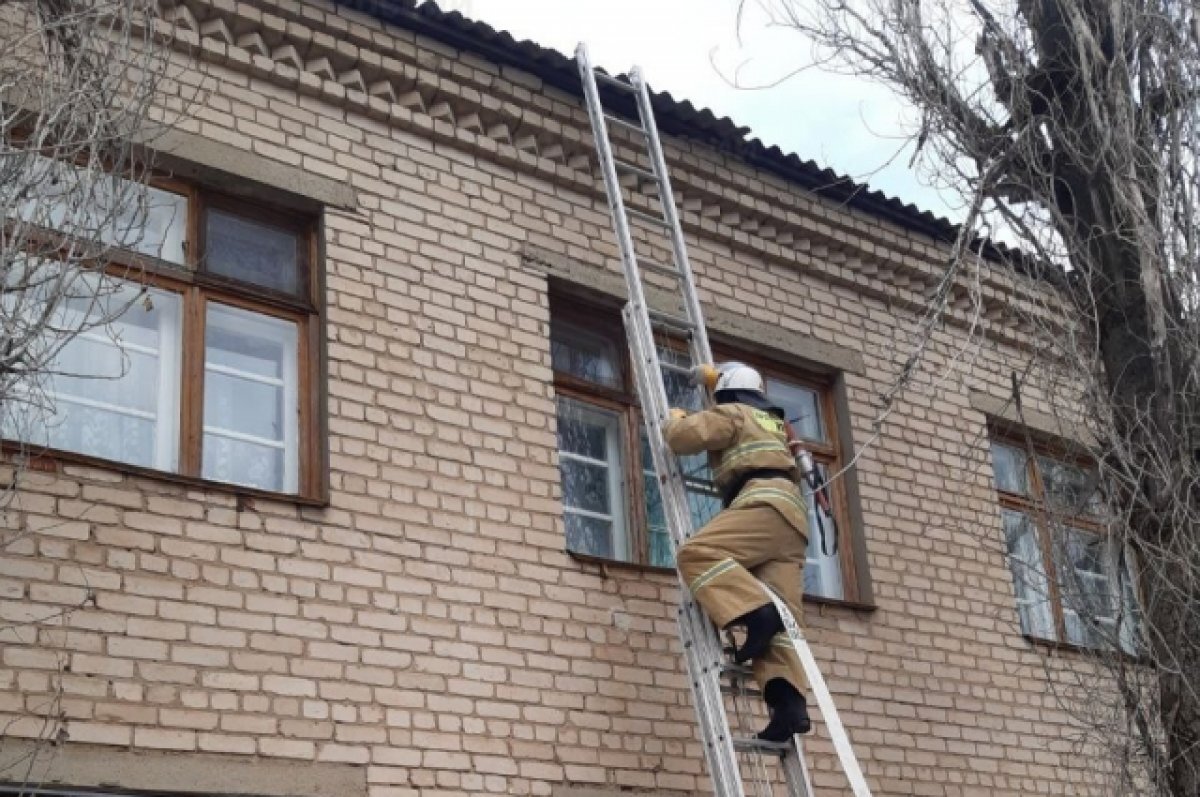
679, 118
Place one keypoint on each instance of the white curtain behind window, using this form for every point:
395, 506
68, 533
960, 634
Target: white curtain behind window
112, 391
251, 423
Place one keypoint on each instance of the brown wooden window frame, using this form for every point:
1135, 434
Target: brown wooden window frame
196, 289
603, 320
1047, 520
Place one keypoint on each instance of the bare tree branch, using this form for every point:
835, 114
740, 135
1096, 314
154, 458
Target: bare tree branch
81, 95
1071, 125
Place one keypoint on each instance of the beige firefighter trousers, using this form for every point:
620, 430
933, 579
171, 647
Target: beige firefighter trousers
718, 562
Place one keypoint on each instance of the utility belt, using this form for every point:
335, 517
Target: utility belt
733, 488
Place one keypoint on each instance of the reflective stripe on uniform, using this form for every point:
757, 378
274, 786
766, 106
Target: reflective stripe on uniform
782, 640
733, 455
719, 569
768, 493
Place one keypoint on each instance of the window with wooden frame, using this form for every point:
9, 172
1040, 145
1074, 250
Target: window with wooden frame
207, 369
611, 504
1073, 585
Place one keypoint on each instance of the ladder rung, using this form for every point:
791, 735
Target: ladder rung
602, 77
646, 217
747, 692
658, 268
676, 369
619, 122
638, 170
754, 745
737, 672
670, 321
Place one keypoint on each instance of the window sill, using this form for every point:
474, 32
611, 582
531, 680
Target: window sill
606, 564
1055, 646
840, 603
53, 461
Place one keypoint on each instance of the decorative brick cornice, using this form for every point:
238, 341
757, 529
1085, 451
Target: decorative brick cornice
509, 118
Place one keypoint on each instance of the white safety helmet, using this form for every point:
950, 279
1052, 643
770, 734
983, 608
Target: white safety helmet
738, 376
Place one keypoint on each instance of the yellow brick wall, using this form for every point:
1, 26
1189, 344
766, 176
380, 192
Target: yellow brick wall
427, 627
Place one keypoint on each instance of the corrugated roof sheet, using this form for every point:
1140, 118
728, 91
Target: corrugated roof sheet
676, 117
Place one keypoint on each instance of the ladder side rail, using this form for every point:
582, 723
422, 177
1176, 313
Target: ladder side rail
657, 395
702, 353
696, 634
652, 392
710, 708
702, 647
654, 411
796, 768
829, 712
704, 710
708, 658
724, 766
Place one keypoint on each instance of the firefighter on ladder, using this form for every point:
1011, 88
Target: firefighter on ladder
761, 535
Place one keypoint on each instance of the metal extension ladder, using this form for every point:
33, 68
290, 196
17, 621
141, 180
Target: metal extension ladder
738, 764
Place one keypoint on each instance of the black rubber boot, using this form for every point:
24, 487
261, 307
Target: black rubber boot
762, 624
789, 712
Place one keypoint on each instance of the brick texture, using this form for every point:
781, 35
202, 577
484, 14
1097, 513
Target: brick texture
427, 625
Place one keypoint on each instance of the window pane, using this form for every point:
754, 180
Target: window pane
1029, 575
253, 252
1009, 464
251, 424
661, 553
112, 388
801, 406
166, 226
580, 434
1131, 611
1069, 488
149, 221
585, 355
1089, 599
589, 535
703, 502
104, 208
680, 390
661, 548
586, 483
1100, 606
591, 465
822, 571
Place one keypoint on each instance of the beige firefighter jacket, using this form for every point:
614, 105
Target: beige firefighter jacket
739, 439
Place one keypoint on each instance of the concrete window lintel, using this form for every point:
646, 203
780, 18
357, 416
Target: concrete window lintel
247, 174
736, 330
1042, 423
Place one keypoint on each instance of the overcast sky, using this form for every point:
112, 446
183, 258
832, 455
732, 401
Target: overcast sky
691, 49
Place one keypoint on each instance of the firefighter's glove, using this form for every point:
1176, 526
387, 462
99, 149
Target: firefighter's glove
677, 414
705, 376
